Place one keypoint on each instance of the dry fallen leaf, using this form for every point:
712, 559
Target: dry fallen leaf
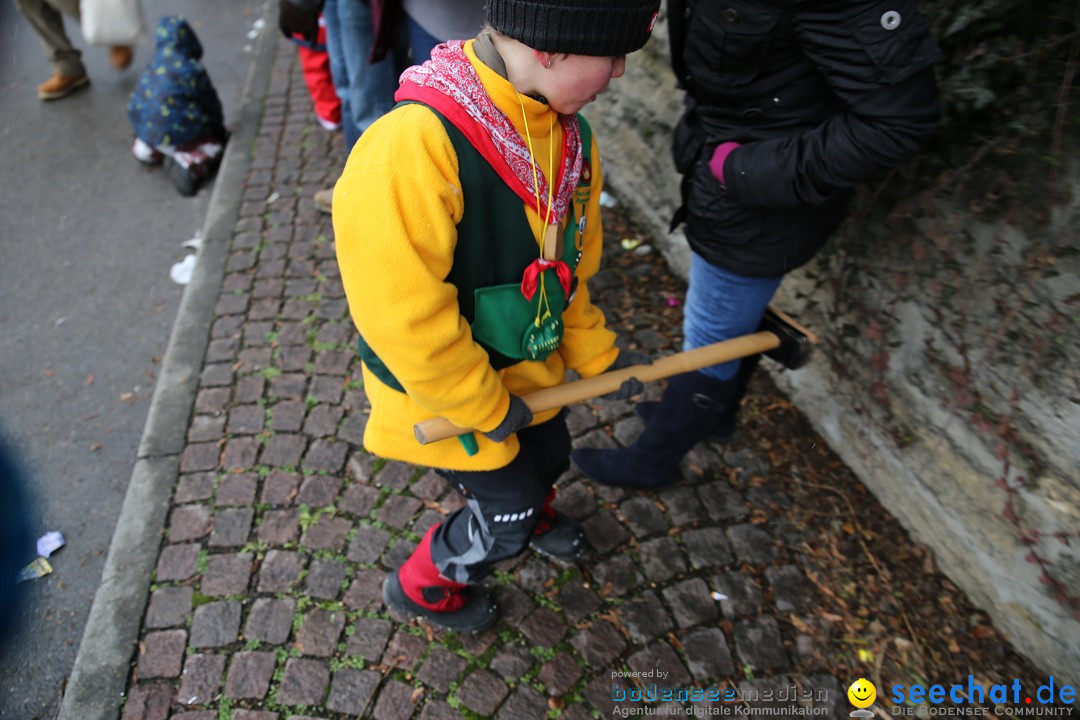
801, 626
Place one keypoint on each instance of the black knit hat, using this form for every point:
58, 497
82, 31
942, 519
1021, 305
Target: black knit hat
578, 27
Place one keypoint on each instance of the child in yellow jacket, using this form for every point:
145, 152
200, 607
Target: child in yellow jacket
467, 223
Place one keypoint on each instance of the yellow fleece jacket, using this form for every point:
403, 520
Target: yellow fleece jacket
396, 208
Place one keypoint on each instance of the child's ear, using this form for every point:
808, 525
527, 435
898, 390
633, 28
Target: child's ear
543, 57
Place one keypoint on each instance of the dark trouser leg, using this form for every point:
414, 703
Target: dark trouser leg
503, 506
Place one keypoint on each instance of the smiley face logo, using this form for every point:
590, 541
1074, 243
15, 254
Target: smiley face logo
862, 693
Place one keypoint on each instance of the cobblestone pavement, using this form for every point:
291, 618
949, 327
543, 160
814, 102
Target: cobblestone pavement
266, 601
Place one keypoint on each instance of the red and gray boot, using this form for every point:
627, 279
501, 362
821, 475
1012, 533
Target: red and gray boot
417, 588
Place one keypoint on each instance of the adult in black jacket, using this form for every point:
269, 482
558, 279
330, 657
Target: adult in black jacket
789, 104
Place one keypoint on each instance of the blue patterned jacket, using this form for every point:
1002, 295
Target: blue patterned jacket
174, 103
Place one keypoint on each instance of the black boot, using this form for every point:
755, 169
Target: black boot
556, 535
689, 410
724, 430
185, 180
563, 539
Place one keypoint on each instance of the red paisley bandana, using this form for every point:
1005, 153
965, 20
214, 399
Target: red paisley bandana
449, 83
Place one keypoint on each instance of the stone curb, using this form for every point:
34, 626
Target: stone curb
99, 677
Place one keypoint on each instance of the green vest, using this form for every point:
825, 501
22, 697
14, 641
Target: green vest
494, 246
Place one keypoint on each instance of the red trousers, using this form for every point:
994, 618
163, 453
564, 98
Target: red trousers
320, 84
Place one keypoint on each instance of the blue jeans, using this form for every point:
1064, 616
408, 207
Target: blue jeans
366, 91
421, 42
721, 305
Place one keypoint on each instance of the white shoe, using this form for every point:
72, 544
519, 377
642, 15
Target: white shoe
145, 153
328, 125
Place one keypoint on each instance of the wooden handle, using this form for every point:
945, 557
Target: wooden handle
436, 429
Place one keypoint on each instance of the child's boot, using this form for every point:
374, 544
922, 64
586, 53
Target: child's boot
417, 588
556, 535
145, 153
183, 178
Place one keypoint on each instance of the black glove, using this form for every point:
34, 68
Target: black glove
631, 386
294, 20
518, 416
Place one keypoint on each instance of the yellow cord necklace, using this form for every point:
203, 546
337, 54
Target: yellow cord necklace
543, 308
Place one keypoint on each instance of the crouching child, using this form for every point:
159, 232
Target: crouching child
175, 110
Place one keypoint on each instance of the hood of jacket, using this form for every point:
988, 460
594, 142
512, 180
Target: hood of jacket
174, 36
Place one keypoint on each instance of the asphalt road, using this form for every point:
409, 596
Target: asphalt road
87, 237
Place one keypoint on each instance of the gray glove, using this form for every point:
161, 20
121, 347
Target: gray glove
518, 416
630, 386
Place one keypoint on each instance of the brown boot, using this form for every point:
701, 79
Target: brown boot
120, 56
60, 85
324, 200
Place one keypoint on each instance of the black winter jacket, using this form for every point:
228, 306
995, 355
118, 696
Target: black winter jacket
821, 94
